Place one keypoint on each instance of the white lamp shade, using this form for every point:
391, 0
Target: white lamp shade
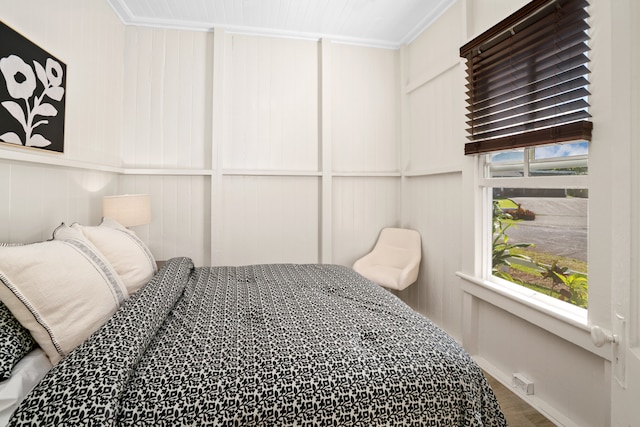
129, 209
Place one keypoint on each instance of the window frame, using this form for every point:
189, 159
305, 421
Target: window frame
486, 185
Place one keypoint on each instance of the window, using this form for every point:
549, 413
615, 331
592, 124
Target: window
528, 122
539, 203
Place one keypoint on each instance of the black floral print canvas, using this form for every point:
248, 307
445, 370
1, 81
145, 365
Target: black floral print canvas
32, 93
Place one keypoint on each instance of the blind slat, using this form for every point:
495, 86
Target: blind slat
539, 76
526, 78
557, 114
560, 83
515, 108
518, 66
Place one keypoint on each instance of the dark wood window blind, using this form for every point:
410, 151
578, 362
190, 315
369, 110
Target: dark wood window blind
527, 78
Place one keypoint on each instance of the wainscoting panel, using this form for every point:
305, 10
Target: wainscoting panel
427, 59
271, 98
268, 219
167, 105
364, 109
436, 123
37, 198
433, 208
543, 358
362, 206
180, 221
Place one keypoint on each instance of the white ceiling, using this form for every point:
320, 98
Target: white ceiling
383, 23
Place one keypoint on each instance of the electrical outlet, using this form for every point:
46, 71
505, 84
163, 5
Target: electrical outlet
522, 383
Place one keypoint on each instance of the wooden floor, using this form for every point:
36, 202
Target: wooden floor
516, 410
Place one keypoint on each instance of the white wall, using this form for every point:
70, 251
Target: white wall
267, 156
39, 189
36, 198
271, 104
364, 109
88, 38
432, 207
180, 220
365, 150
572, 378
432, 152
167, 98
274, 143
614, 194
299, 125
166, 137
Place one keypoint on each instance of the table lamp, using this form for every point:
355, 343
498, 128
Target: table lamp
128, 209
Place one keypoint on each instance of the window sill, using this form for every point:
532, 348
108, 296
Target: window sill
566, 323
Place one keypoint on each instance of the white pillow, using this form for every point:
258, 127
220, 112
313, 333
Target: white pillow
61, 290
128, 255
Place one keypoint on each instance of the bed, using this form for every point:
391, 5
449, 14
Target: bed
258, 345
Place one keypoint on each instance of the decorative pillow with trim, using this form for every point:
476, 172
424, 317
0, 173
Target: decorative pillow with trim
15, 342
128, 255
61, 290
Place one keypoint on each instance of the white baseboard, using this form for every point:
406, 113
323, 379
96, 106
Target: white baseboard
534, 401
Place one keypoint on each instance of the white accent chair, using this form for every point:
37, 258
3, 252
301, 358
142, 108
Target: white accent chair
394, 262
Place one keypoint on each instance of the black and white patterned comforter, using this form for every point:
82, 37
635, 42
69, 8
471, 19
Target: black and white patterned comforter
263, 345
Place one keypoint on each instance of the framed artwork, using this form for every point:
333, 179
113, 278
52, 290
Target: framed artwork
32, 94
